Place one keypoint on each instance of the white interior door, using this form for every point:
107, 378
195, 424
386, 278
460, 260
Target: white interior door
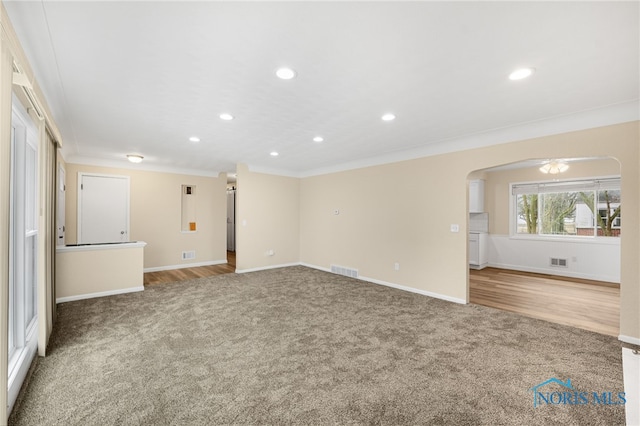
60, 214
103, 208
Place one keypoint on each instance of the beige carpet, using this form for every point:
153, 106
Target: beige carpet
300, 346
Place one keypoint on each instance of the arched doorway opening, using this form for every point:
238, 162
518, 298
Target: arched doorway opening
552, 243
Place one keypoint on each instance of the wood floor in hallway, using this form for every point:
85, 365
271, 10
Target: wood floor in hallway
173, 275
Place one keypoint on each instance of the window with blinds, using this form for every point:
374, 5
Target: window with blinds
589, 208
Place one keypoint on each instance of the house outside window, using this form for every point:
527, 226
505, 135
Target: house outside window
579, 208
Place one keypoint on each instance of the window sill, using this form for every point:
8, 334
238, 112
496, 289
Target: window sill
612, 241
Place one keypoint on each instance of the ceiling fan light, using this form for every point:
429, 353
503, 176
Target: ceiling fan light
554, 167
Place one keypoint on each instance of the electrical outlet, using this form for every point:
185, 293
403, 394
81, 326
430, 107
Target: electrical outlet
396, 266
336, 212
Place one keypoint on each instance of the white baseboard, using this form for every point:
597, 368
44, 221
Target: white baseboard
264, 268
185, 265
558, 272
320, 268
416, 290
631, 378
629, 339
397, 286
99, 294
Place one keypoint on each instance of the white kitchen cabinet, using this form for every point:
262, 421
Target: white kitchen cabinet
478, 250
476, 196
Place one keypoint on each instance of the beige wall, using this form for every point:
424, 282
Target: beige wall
497, 197
267, 218
402, 213
112, 269
155, 205
395, 213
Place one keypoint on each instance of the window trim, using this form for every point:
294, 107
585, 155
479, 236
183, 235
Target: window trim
24, 331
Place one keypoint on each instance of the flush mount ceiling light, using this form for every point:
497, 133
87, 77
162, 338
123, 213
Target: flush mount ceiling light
554, 167
318, 139
135, 158
225, 116
194, 139
388, 117
273, 154
521, 73
285, 73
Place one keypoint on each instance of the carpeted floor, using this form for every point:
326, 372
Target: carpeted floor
301, 346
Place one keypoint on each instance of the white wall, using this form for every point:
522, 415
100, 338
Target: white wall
588, 259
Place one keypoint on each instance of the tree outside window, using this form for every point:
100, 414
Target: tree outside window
527, 214
571, 213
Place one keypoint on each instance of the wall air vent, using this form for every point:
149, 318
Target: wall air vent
188, 255
347, 272
558, 262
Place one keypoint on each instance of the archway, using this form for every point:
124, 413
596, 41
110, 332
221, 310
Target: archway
571, 258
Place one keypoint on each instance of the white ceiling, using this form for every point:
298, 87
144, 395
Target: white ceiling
142, 77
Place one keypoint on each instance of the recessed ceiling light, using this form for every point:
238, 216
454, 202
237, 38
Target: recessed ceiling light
194, 139
388, 117
274, 154
285, 73
227, 117
135, 158
318, 139
521, 73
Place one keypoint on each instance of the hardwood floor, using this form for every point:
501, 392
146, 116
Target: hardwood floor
586, 304
151, 278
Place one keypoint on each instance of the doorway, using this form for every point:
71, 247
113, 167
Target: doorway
534, 267
231, 214
60, 206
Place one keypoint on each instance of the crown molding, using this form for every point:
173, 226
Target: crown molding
98, 162
26, 73
588, 119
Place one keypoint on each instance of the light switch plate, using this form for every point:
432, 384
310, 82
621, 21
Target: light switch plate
455, 228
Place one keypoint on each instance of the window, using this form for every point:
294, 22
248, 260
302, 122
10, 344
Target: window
24, 249
569, 208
